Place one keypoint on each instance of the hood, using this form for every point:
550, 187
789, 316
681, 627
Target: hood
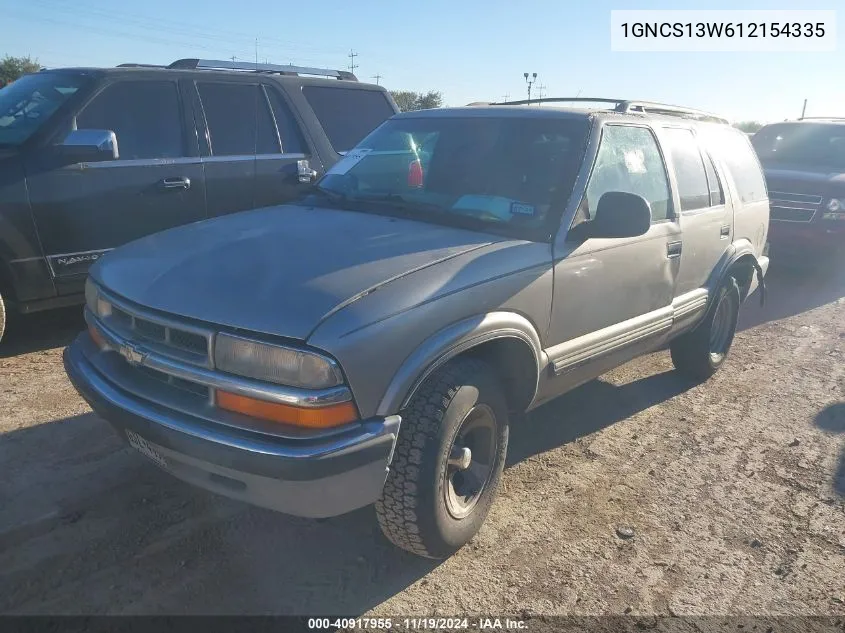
797, 179
280, 270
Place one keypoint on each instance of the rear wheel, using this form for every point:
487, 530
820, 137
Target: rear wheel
702, 351
448, 461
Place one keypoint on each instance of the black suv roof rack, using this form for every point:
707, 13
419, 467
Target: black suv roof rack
822, 118
628, 105
219, 64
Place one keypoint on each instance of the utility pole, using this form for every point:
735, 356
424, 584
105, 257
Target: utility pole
506, 97
352, 65
256, 52
530, 83
541, 92
233, 59
804, 109
377, 78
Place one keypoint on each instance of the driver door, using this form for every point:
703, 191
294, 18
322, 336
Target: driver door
613, 296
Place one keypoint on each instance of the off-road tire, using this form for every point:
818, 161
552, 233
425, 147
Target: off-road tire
691, 352
412, 511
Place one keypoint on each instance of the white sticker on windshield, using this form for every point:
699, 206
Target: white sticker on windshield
520, 208
635, 161
349, 161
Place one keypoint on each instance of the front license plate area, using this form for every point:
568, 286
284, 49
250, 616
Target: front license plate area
145, 448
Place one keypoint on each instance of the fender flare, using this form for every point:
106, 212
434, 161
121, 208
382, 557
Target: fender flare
447, 343
741, 248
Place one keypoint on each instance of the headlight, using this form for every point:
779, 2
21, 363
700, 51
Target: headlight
834, 205
100, 307
281, 365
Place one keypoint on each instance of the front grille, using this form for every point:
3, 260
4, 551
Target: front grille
179, 383
793, 207
165, 336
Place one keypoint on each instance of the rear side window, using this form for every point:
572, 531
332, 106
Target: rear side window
717, 195
689, 169
239, 121
144, 115
735, 151
346, 114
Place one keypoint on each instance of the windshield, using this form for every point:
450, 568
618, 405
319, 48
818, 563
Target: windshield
507, 175
28, 102
810, 144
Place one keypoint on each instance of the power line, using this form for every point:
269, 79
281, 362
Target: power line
352, 65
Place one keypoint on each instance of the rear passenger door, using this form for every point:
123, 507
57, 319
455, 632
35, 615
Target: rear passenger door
229, 113
283, 159
706, 220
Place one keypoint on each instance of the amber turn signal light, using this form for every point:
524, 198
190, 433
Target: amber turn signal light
319, 418
98, 339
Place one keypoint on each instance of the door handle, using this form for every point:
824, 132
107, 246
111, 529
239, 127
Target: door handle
304, 173
175, 183
725, 231
673, 249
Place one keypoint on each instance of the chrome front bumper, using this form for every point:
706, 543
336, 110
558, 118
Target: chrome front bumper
310, 477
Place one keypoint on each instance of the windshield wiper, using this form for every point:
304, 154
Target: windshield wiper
399, 201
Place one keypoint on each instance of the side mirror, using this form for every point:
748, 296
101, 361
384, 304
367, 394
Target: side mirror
90, 145
621, 214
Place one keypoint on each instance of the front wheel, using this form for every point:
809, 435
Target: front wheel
702, 351
448, 461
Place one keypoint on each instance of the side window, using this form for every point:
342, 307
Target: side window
238, 120
144, 115
347, 114
717, 195
735, 151
292, 142
628, 160
689, 169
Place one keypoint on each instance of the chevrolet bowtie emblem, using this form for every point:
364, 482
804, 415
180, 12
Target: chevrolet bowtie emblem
132, 354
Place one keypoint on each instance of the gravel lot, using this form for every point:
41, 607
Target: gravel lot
734, 489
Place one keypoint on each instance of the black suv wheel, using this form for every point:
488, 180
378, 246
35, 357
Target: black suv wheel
448, 461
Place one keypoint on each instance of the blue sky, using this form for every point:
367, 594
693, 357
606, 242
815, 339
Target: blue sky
470, 50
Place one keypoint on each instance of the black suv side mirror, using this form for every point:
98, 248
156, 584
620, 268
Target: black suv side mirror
620, 214
89, 145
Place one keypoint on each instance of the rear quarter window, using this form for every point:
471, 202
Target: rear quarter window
736, 152
347, 114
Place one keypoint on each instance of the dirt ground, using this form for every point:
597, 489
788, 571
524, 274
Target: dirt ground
734, 489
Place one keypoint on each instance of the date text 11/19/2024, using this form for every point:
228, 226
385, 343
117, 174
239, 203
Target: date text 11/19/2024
418, 624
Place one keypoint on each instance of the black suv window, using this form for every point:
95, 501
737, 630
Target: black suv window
807, 143
27, 103
717, 195
144, 115
239, 121
689, 169
628, 160
346, 114
292, 142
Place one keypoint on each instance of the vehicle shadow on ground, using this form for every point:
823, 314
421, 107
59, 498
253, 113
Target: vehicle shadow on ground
832, 420
91, 527
42, 331
590, 408
795, 286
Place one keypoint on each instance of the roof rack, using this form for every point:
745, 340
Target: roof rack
132, 65
822, 118
218, 64
627, 105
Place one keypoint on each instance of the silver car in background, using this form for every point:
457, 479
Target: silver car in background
374, 342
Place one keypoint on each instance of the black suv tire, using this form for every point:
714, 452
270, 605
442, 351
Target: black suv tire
702, 351
423, 508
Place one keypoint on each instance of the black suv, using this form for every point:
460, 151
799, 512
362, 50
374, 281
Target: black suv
93, 158
804, 162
